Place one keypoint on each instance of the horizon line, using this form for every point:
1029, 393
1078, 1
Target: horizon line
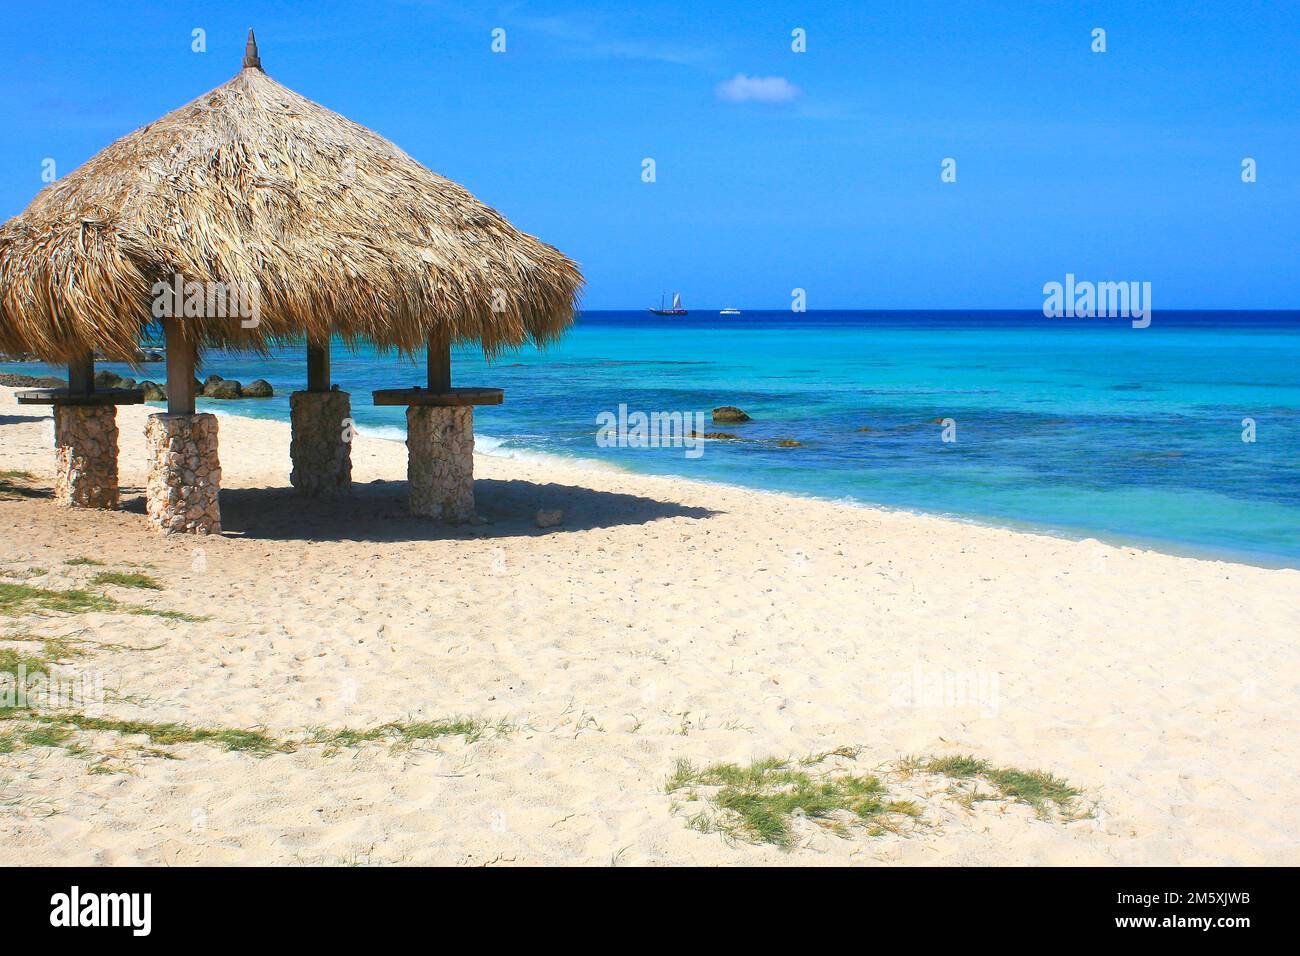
948, 309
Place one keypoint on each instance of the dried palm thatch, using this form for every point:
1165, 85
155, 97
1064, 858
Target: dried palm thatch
253, 185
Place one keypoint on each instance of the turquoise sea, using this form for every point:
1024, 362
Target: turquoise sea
1085, 427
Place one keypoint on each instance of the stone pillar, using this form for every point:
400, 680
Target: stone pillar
440, 461
184, 473
319, 449
85, 442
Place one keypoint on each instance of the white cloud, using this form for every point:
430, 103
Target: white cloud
757, 89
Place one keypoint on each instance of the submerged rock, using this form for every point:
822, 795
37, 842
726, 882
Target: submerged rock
788, 443
716, 436
728, 415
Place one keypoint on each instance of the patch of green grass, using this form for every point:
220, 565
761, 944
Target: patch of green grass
11, 660
29, 734
166, 733
74, 601
471, 728
48, 735
122, 579
343, 737
14, 484
960, 766
758, 803
167, 615
408, 733
56, 729
1035, 788
17, 598
59, 649
83, 562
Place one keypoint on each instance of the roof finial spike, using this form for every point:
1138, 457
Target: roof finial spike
251, 59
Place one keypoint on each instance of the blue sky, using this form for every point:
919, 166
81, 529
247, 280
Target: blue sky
1123, 165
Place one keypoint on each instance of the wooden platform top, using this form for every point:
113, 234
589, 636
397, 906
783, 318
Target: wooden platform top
448, 397
63, 396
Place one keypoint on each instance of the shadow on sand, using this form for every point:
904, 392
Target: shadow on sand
377, 511
24, 419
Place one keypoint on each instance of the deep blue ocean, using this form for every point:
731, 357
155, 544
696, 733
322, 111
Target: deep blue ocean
1082, 426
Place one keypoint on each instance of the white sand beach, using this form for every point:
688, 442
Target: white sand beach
663, 619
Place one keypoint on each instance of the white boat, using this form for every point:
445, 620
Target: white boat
729, 311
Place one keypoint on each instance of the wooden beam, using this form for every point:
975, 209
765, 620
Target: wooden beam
63, 396
181, 353
318, 366
81, 374
450, 398
439, 363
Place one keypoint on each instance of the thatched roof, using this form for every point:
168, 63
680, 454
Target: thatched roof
251, 183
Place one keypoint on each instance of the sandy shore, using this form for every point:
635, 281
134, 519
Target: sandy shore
664, 619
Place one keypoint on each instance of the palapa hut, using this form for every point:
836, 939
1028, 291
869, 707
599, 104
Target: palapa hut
328, 228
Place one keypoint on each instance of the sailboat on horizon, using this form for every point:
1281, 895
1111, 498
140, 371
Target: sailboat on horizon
675, 309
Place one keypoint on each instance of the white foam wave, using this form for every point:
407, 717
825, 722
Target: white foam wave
495, 447
384, 432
